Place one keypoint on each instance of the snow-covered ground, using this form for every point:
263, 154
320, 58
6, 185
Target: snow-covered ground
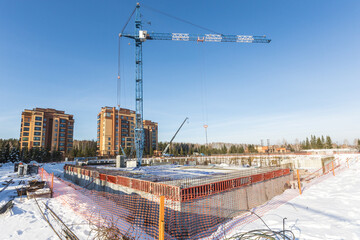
24, 221
327, 210
176, 172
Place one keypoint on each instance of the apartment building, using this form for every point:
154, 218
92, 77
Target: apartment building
46, 128
116, 129
150, 135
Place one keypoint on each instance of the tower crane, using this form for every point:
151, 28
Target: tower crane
140, 36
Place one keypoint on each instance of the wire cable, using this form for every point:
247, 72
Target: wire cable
180, 19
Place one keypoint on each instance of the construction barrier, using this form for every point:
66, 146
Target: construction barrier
161, 211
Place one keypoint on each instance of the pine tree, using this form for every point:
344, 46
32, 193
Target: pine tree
241, 149
328, 142
319, 144
307, 144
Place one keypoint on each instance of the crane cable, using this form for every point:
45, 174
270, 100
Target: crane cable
118, 83
203, 91
180, 19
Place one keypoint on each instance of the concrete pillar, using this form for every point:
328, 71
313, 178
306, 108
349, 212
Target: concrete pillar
120, 161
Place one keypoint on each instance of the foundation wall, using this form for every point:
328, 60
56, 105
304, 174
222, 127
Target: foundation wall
230, 203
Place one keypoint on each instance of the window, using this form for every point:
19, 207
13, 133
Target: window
55, 130
38, 123
55, 134
25, 134
61, 148
108, 148
26, 124
25, 139
69, 145
56, 120
36, 138
62, 144
37, 133
56, 125
55, 139
26, 129
62, 120
37, 144
109, 139
62, 134
44, 119
62, 139
24, 144
37, 128
109, 143
44, 124
98, 116
38, 118
70, 127
62, 125
62, 130
70, 140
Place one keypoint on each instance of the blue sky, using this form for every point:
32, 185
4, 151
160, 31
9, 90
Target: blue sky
63, 55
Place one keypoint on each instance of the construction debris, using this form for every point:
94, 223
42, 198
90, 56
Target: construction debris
6, 207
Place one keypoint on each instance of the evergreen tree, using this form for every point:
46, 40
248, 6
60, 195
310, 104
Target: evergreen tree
307, 143
328, 142
241, 149
319, 144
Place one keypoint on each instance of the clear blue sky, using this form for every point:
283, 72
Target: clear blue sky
63, 55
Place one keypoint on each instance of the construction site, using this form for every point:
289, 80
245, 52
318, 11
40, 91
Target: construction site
120, 194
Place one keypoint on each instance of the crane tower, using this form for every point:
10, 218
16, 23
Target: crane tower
141, 36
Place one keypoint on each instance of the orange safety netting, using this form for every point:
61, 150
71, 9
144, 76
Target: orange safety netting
193, 212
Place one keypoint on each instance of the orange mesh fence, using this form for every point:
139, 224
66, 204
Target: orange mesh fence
201, 209
242, 217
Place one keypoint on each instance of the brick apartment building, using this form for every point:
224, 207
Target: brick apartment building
46, 128
116, 127
151, 136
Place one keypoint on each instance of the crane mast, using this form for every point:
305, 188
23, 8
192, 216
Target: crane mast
139, 129
141, 36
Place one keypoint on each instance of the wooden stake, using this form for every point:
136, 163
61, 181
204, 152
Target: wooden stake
333, 168
299, 183
161, 218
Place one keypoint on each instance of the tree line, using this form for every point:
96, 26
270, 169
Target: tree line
318, 143
10, 152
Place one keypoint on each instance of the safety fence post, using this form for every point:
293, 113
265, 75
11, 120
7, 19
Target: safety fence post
161, 218
333, 170
299, 184
52, 181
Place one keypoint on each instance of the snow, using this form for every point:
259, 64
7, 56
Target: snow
177, 172
327, 210
24, 220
